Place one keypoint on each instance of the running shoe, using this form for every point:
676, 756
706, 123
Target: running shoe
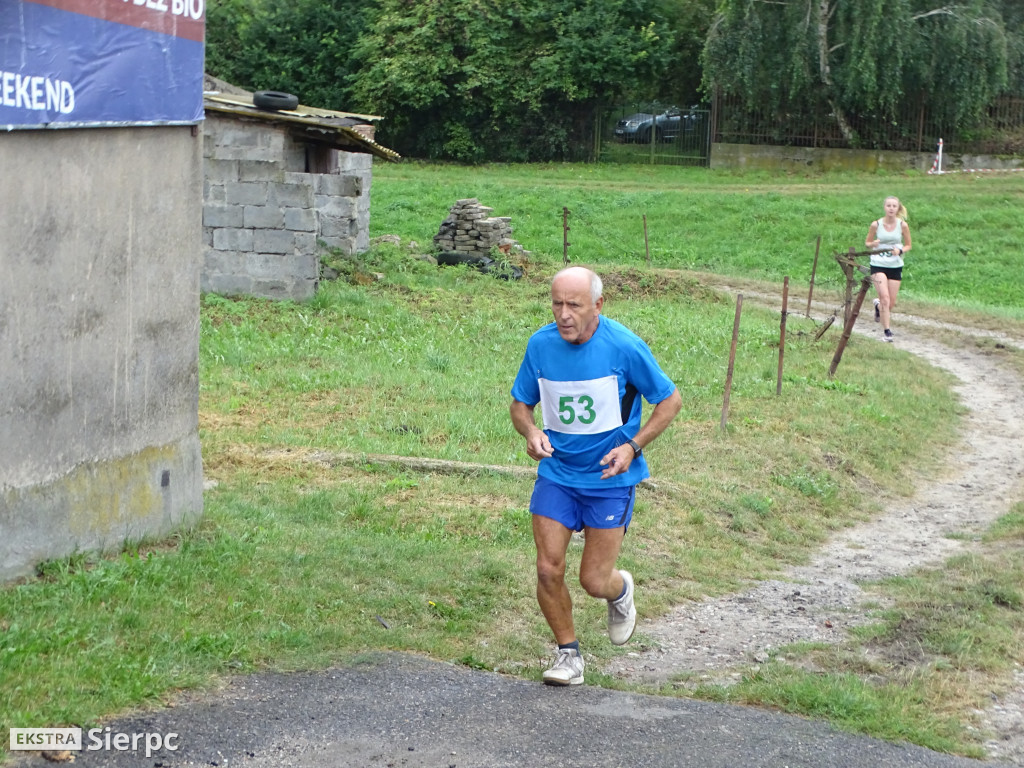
567, 670
888, 336
622, 614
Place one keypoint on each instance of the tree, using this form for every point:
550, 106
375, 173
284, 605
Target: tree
465, 79
688, 22
1012, 12
476, 79
302, 47
862, 58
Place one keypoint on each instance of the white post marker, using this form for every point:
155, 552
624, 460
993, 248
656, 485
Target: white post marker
937, 162
937, 166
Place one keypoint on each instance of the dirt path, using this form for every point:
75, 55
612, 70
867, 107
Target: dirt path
719, 639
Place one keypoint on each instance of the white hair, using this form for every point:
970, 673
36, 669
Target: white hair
596, 285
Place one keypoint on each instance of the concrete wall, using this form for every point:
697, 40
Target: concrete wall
99, 339
772, 158
264, 217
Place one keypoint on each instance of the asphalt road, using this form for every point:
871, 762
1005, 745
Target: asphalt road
402, 711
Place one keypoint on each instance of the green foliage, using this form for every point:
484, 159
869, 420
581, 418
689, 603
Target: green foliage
870, 56
688, 22
866, 58
476, 79
303, 47
1012, 12
959, 57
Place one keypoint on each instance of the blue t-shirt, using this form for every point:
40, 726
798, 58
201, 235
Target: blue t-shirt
589, 399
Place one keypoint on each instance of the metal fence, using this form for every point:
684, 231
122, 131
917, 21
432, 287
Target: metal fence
661, 133
653, 133
1000, 131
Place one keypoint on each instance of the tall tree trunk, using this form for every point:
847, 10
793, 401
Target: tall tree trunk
825, 11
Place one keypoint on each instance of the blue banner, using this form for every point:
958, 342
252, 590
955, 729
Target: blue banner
75, 63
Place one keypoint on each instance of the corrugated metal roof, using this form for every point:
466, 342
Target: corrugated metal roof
343, 130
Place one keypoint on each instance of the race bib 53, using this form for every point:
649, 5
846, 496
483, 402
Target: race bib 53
580, 407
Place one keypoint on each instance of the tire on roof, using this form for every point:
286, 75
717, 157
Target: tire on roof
275, 100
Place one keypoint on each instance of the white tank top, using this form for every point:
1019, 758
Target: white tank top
888, 239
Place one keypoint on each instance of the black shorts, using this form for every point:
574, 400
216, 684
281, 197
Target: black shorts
893, 273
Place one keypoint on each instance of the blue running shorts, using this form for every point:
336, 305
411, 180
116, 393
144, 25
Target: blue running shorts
590, 507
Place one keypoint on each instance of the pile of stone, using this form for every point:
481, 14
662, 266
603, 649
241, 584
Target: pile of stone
471, 230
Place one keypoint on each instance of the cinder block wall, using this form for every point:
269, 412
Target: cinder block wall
99, 340
266, 221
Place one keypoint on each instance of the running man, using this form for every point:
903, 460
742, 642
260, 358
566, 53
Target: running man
586, 372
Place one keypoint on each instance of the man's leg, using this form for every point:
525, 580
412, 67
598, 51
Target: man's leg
552, 541
601, 579
598, 575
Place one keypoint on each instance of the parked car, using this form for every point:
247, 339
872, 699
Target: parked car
667, 125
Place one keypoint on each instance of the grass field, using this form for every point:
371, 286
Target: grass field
967, 230
306, 557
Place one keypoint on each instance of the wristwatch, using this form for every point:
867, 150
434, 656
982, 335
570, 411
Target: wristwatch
637, 450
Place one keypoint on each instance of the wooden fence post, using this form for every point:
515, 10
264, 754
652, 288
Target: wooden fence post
565, 235
847, 264
732, 361
814, 270
782, 332
865, 283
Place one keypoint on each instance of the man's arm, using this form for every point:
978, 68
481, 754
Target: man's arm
537, 444
617, 460
662, 415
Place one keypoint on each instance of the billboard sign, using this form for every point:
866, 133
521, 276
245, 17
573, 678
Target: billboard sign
79, 63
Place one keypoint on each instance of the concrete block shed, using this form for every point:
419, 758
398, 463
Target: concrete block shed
280, 187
